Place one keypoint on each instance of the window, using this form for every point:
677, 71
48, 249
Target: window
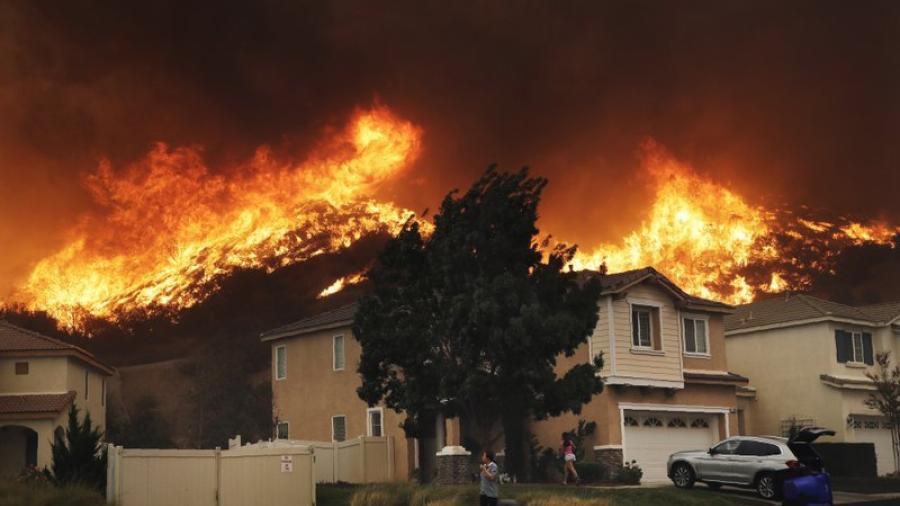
630, 422
699, 423
282, 430
645, 327
727, 447
86, 384
375, 417
676, 422
338, 349
21, 368
280, 362
653, 422
338, 428
757, 449
854, 347
695, 338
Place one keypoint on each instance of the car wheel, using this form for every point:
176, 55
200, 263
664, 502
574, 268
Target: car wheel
682, 475
714, 486
767, 486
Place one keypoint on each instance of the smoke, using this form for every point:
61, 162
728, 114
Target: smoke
788, 103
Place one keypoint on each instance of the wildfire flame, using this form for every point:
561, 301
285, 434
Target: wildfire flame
708, 239
341, 283
171, 226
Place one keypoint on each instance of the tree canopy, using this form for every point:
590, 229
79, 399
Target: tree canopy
471, 319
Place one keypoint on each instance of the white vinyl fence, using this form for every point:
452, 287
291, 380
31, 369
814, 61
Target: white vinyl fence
241, 476
360, 460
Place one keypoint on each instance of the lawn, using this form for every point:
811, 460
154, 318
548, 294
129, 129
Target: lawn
526, 495
866, 485
41, 494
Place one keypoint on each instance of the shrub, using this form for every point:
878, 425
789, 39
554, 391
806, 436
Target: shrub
591, 472
78, 455
630, 474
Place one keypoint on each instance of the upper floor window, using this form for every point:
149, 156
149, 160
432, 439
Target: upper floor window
338, 350
21, 368
376, 421
645, 327
695, 336
854, 347
87, 384
280, 362
282, 430
338, 428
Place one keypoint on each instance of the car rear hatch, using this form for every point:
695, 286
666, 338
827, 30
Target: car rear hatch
801, 444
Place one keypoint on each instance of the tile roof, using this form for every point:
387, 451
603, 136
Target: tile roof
35, 403
18, 340
797, 307
616, 282
330, 319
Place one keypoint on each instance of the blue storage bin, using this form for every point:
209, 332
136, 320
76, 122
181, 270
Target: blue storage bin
810, 490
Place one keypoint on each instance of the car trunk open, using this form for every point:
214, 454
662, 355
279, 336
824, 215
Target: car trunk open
801, 445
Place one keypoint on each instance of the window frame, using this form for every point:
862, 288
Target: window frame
695, 318
283, 349
333, 418
854, 334
334, 355
654, 310
369, 431
287, 425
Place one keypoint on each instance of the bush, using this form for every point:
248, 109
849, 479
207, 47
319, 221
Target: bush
591, 472
79, 457
630, 474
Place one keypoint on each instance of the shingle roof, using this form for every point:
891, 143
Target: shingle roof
339, 317
798, 307
20, 341
48, 404
619, 281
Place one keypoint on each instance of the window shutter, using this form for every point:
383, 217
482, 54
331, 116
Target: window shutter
868, 352
844, 346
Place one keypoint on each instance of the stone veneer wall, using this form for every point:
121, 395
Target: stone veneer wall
611, 459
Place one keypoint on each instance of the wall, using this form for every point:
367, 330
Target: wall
93, 402
45, 374
313, 392
639, 363
211, 478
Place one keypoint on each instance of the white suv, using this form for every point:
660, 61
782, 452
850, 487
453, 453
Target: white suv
760, 462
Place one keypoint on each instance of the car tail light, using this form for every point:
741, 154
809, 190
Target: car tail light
794, 464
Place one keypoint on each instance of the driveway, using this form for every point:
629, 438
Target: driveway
844, 498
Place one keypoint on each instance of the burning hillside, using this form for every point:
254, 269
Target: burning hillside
170, 228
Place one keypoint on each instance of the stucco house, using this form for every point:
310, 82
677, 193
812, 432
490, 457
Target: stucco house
40, 377
808, 358
669, 386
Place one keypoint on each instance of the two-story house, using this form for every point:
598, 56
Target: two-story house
669, 388
40, 377
808, 358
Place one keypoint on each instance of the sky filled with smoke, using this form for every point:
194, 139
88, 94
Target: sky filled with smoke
790, 103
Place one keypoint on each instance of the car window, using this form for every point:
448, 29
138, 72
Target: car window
757, 449
727, 447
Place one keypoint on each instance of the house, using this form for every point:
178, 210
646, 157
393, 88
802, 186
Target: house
40, 377
669, 386
808, 358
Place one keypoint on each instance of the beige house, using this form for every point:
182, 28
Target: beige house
808, 358
669, 387
40, 377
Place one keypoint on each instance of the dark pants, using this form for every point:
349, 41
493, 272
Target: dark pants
487, 501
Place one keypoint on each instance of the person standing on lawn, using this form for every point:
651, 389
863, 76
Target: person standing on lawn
568, 451
490, 484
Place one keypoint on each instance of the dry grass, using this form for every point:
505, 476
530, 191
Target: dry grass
42, 494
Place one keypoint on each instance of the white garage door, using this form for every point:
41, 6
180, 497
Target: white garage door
871, 430
650, 437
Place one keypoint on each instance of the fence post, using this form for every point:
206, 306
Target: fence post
218, 475
389, 441
118, 496
362, 452
335, 461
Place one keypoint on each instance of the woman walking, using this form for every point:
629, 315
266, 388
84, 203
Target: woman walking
568, 451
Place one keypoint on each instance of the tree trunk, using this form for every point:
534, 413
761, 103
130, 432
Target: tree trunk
514, 434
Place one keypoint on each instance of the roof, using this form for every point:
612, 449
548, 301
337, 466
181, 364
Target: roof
794, 308
621, 281
340, 317
35, 404
18, 341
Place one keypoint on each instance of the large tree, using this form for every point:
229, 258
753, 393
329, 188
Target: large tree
471, 319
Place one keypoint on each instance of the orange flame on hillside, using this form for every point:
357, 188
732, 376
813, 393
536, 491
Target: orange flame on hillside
706, 238
172, 227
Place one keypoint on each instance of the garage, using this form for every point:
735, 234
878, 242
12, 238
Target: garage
651, 436
872, 430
